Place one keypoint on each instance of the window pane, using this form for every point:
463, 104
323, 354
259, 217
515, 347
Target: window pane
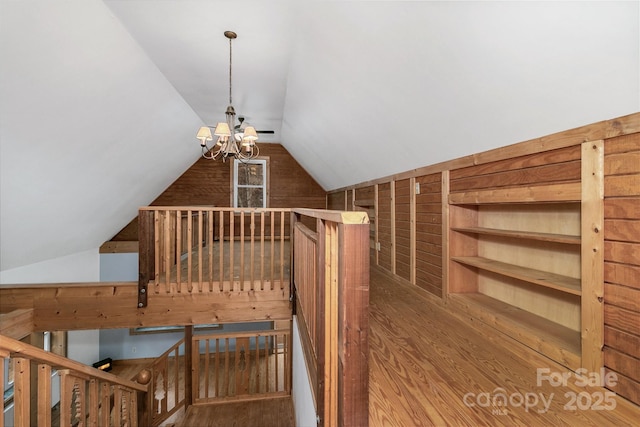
250, 197
250, 174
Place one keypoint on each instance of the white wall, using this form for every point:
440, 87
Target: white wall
303, 404
90, 129
410, 84
79, 267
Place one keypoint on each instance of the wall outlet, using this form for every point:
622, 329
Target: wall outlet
133, 349
417, 188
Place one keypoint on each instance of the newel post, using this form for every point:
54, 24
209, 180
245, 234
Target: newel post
146, 254
353, 324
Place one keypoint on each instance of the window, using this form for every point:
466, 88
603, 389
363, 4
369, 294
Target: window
250, 184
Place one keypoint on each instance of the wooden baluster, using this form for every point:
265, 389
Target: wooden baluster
167, 250
200, 238
241, 267
179, 251
117, 406
282, 249
105, 404
221, 250
176, 378
216, 376
21, 392
210, 232
133, 408
189, 251
262, 250
273, 249
232, 233
268, 362
226, 372
252, 248
206, 367
44, 395
157, 249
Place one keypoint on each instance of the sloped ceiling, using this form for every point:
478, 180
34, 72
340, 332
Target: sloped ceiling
100, 100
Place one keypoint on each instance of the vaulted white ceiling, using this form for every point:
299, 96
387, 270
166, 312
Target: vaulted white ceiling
100, 100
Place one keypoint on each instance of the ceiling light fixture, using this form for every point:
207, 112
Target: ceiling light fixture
237, 142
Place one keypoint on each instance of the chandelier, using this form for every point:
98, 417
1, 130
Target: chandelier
237, 142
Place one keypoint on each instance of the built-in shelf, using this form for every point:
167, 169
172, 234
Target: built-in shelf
558, 282
552, 339
528, 235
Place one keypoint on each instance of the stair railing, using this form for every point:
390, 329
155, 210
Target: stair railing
88, 396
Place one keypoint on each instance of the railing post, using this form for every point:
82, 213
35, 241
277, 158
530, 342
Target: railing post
320, 321
292, 269
146, 254
188, 366
353, 324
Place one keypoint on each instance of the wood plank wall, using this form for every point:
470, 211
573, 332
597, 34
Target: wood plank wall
550, 159
385, 230
622, 263
429, 233
209, 183
336, 201
403, 228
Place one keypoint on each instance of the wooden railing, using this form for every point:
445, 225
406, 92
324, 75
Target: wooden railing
212, 250
88, 396
168, 382
331, 292
241, 366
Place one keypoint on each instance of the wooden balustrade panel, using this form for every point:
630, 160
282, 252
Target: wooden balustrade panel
305, 256
219, 250
241, 366
166, 393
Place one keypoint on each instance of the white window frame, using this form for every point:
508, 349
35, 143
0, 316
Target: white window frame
264, 164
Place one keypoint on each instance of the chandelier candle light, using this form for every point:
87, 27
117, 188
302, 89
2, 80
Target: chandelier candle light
238, 142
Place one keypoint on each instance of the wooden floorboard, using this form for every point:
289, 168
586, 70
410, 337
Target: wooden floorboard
426, 362
276, 412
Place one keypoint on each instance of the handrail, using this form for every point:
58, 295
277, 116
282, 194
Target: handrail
88, 396
330, 277
55, 361
339, 217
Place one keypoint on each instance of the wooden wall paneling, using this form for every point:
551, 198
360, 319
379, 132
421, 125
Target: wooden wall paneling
429, 233
392, 207
377, 221
364, 200
384, 224
402, 230
547, 173
592, 254
336, 200
622, 263
444, 197
209, 183
412, 230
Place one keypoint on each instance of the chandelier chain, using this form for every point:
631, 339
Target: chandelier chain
230, 62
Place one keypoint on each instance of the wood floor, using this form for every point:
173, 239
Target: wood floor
276, 412
430, 368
